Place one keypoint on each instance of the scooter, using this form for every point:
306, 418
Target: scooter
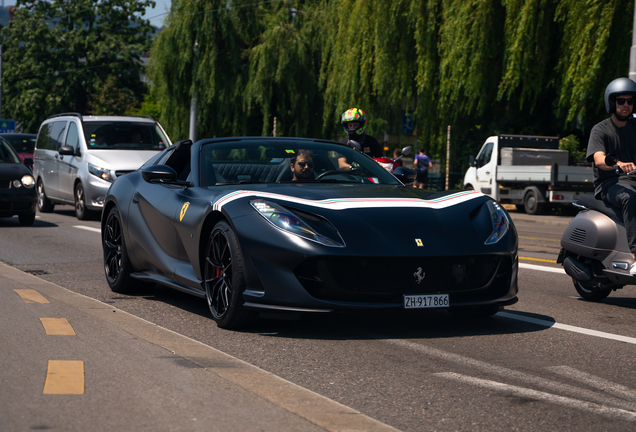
594, 250
405, 175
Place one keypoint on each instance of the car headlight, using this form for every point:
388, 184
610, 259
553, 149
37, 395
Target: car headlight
387, 166
500, 222
27, 181
102, 173
287, 221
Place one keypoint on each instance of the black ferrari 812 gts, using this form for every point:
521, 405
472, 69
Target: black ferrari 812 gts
266, 224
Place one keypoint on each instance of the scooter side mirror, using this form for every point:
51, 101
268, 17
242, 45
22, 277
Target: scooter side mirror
355, 144
406, 150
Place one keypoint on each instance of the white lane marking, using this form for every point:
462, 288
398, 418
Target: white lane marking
88, 228
566, 327
594, 381
542, 268
541, 396
511, 374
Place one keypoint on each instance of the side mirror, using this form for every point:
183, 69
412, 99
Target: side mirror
28, 161
472, 162
66, 151
355, 144
405, 175
406, 150
159, 173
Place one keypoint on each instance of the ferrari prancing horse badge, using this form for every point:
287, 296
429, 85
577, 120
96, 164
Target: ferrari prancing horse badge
183, 211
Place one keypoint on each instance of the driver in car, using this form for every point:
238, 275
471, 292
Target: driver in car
302, 166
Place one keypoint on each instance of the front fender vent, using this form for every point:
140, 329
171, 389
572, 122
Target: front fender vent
578, 235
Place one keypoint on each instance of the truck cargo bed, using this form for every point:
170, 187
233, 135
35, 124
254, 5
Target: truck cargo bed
544, 174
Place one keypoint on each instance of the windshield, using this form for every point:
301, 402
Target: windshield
7, 154
271, 161
22, 143
124, 135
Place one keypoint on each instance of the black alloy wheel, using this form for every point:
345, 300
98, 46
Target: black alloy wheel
116, 263
44, 204
224, 280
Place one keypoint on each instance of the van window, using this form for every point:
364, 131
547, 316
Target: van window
484, 157
123, 135
72, 139
51, 134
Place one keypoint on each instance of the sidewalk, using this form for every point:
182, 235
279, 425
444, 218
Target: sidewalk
73, 363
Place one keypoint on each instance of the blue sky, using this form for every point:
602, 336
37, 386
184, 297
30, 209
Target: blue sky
156, 15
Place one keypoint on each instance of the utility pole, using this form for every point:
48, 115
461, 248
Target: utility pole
632, 54
194, 104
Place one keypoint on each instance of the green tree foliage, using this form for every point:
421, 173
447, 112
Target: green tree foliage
482, 66
65, 55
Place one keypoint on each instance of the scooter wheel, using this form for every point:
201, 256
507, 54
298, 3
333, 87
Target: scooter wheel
589, 294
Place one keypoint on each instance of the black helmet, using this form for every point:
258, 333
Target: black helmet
616, 87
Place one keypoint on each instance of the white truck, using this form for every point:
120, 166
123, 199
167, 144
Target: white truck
528, 171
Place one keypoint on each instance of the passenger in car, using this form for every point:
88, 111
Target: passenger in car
302, 165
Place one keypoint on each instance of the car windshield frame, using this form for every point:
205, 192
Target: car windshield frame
8, 154
266, 160
120, 135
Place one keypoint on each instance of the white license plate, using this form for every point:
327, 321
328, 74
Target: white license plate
425, 301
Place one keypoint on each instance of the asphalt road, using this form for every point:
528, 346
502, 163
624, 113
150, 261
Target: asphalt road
550, 362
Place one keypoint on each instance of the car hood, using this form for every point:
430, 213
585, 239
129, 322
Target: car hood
379, 218
125, 160
13, 171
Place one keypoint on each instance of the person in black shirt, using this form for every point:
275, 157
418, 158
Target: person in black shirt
612, 148
354, 123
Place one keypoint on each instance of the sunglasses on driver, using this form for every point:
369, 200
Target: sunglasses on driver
621, 101
309, 164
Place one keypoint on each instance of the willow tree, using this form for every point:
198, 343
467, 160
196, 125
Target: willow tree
368, 60
60, 55
594, 50
284, 67
201, 53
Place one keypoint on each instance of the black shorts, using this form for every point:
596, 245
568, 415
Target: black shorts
421, 177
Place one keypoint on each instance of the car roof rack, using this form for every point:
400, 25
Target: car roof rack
74, 114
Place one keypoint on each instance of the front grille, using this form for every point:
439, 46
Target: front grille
121, 173
578, 235
388, 278
5, 184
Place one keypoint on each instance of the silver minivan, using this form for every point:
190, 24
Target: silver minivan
76, 158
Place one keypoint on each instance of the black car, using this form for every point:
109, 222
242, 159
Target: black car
22, 143
17, 191
301, 225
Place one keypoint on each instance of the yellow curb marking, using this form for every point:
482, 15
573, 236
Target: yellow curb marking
57, 326
538, 259
31, 296
65, 377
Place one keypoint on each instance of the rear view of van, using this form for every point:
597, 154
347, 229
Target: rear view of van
76, 158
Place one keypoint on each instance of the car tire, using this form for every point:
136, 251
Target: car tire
27, 219
474, 312
116, 263
44, 204
531, 203
224, 279
589, 294
80, 203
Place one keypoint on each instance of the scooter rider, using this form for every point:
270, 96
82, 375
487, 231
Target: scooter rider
612, 148
354, 123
